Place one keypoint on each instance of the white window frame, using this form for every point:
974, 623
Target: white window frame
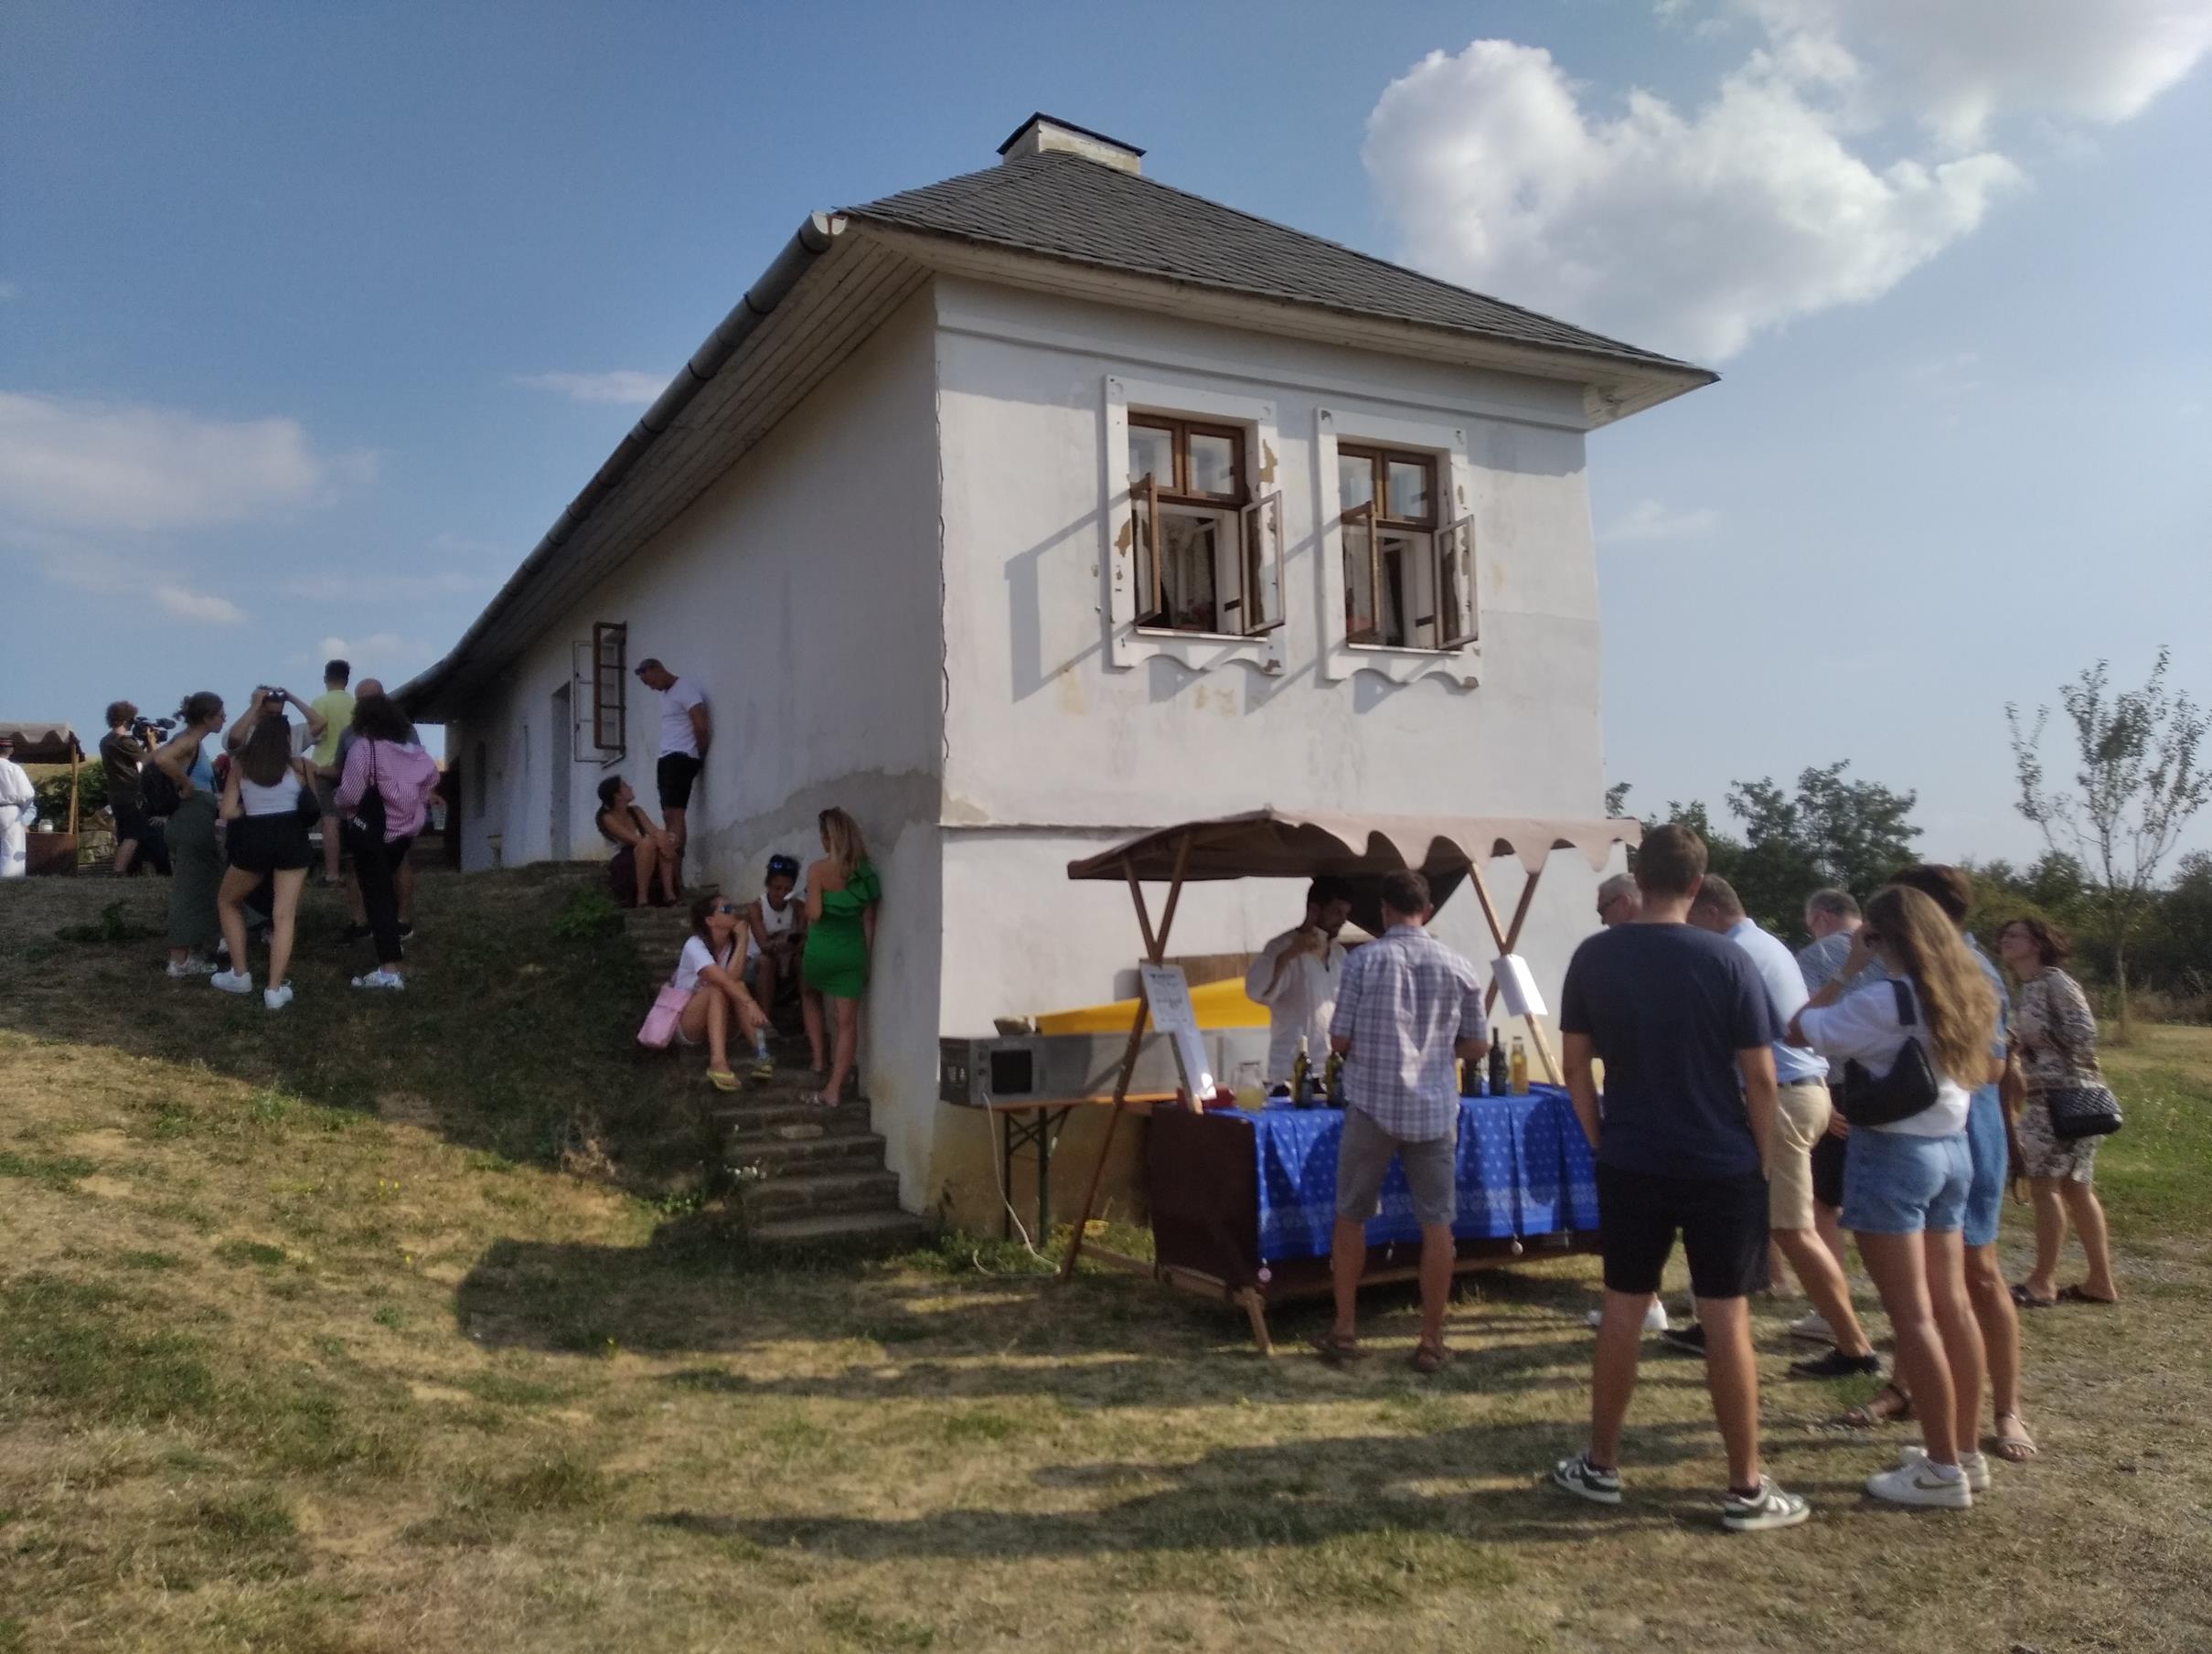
1365, 428
1127, 644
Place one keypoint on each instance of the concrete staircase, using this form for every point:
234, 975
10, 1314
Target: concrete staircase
803, 1175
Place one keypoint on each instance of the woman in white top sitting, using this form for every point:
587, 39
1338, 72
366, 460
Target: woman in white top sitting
710, 970
1906, 1184
266, 836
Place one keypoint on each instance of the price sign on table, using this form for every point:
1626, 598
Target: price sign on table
1168, 997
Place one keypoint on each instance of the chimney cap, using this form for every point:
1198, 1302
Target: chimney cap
1041, 132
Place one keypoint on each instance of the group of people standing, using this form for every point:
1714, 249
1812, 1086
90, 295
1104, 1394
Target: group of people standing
239, 819
1717, 1126
815, 930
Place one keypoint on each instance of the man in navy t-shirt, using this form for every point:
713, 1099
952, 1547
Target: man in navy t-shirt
1681, 1022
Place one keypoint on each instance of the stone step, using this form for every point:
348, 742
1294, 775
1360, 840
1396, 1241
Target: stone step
882, 1228
775, 1152
807, 1190
763, 1108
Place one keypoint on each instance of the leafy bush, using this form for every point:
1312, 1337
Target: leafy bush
588, 914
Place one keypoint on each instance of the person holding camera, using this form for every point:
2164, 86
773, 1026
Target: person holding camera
268, 797
122, 754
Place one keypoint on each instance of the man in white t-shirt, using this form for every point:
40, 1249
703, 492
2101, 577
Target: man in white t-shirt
686, 730
1296, 978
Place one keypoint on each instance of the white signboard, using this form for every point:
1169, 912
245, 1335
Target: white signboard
1517, 986
1168, 995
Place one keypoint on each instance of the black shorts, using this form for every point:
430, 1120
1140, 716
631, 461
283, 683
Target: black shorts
676, 773
1827, 1157
1722, 1221
130, 819
269, 844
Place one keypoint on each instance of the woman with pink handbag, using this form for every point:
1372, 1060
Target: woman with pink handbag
706, 993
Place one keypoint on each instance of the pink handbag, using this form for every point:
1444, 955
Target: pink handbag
659, 1026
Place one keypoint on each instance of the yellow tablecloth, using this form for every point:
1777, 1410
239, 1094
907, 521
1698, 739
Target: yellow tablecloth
1218, 1005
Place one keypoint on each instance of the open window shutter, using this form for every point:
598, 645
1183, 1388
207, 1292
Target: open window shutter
1362, 577
1456, 625
610, 687
1144, 512
582, 723
1262, 523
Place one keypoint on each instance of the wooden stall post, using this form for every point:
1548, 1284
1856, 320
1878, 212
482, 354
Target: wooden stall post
1156, 951
1505, 939
76, 763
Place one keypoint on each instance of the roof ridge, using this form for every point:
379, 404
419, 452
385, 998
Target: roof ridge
1115, 176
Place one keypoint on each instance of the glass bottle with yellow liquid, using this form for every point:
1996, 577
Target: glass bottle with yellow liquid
1519, 1070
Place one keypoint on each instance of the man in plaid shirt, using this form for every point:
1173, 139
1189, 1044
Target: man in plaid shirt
1406, 1007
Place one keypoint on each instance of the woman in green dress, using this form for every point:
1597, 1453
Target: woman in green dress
842, 891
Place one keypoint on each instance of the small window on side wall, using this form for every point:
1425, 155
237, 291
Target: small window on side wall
1209, 556
1407, 579
610, 687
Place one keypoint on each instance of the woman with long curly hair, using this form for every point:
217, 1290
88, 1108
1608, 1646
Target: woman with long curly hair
842, 891
1906, 1184
265, 836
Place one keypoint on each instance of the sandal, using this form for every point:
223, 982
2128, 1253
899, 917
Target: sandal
2028, 1300
1867, 1414
1428, 1358
1336, 1350
2016, 1448
2076, 1294
818, 1099
722, 1079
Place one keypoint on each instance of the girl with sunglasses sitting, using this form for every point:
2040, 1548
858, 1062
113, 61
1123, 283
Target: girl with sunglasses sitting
711, 971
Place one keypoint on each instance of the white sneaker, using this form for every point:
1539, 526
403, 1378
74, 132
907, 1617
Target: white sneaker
1975, 1465
380, 978
1765, 1511
276, 998
1918, 1484
1654, 1317
232, 982
1814, 1328
185, 970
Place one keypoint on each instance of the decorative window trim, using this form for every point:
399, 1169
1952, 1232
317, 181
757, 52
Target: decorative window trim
1340, 657
1127, 643
601, 714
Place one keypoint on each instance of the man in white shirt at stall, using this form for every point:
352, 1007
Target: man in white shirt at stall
18, 809
1296, 978
686, 730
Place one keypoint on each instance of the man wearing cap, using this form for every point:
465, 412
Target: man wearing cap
18, 809
686, 732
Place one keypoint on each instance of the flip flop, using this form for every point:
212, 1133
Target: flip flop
1336, 1350
2014, 1450
2075, 1295
1428, 1358
722, 1079
1865, 1417
2028, 1300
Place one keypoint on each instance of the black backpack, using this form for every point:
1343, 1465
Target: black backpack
1908, 1088
157, 792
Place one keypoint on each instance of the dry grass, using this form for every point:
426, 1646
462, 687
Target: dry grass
293, 1355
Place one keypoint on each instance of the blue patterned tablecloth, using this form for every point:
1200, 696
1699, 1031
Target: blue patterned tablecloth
1523, 1169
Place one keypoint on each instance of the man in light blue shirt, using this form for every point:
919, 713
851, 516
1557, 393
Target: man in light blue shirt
1802, 1116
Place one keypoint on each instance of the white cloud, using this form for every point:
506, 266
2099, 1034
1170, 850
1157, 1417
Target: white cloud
389, 587
120, 466
1649, 519
198, 606
385, 656
1791, 190
70, 562
623, 385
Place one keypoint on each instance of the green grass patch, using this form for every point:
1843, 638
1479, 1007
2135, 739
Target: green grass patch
56, 1171
149, 1260
249, 1252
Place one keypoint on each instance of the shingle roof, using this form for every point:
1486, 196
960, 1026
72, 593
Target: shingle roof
1062, 206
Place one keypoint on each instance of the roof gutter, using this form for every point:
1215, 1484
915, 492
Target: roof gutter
814, 237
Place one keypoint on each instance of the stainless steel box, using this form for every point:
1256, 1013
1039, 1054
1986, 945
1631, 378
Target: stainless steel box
974, 1073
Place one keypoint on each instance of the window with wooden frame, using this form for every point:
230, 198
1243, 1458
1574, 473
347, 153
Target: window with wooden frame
610, 670
1209, 556
1406, 579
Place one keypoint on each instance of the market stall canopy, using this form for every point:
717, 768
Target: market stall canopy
1270, 844
42, 743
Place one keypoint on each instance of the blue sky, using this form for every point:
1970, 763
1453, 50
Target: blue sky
311, 318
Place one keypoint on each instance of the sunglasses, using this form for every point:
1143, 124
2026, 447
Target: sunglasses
724, 907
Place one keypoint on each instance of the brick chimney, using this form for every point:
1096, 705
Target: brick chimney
1040, 133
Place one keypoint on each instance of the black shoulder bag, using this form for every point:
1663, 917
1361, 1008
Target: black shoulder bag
364, 829
1908, 1088
2079, 1111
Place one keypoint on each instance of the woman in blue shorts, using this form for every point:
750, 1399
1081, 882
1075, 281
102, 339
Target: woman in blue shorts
1906, 1184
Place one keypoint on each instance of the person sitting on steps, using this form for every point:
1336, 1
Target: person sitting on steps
644, 856
707, 971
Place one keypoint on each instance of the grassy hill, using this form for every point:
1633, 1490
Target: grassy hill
396, 1323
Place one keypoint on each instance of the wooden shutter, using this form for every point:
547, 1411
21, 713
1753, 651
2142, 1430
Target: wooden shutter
1457, 623
610, 687
1362, 570
1261, 559
1144, 516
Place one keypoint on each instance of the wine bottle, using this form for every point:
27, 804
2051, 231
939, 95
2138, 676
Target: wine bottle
1301, 1076
1519, 1070
1497, 1065
1333, 1080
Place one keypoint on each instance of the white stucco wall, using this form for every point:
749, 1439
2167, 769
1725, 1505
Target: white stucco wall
801, 592
1043, 736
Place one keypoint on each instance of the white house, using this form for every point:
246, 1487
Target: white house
1040, 506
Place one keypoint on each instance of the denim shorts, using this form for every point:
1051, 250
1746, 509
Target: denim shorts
1896, 1183
1987, 1148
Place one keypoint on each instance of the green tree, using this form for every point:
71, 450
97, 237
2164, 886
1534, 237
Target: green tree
2138, 785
